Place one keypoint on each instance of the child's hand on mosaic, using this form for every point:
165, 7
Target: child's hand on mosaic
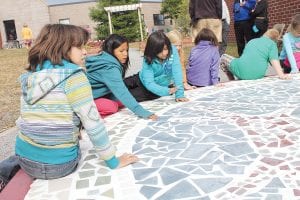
285, 77
187, 86
184, 99
220, 85
153, 117
127, 159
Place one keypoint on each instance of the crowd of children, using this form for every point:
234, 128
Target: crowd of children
59, 96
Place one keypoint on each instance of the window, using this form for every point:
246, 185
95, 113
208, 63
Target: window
158, 19
64, 21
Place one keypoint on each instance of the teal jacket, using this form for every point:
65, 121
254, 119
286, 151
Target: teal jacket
157, 76
105, 76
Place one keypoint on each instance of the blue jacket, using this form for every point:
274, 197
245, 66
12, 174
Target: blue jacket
157, 76
203, 66
242, 13
105, 76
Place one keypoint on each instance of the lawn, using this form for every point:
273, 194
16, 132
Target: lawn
12, 64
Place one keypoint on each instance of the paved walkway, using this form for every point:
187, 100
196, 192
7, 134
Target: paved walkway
240, 141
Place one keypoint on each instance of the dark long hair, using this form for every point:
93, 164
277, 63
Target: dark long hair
111, 43
155, 45
54, 43
206, 35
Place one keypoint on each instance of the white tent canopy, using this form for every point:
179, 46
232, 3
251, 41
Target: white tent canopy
113, 9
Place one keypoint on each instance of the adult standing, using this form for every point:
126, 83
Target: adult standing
243, 22
225, 27
206, 14
260, 15
27, 36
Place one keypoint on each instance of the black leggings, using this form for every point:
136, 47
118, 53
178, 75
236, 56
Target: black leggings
138, 90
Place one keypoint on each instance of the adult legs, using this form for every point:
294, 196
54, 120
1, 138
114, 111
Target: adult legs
213, 24
243, 34
225, 31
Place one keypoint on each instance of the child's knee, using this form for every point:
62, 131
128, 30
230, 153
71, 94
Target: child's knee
106, 106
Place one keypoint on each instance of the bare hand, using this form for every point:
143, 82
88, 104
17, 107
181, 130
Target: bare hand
127, 159
172, 90
188, 86
153, 117
183, 99
285, 77
220, 85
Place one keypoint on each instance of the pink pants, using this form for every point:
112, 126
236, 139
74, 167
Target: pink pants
107, 107
297, 58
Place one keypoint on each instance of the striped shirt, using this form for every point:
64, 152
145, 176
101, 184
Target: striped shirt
55, 102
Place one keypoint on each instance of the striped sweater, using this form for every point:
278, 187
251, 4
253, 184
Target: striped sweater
55, 102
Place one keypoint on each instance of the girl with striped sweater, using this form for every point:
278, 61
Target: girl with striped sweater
56, 100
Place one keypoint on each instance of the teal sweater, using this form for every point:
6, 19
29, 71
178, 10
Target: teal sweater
157, 76
105, 76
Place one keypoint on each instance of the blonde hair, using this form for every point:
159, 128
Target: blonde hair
174, 37
295, 24
273, 34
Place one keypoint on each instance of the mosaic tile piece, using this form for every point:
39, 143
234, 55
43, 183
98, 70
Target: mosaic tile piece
208, 185
86, 174
81, 184
103, 180
276, 183
169, 176
109, 193
181, 190
149, 191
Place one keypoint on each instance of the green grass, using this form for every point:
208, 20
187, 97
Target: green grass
12, 63
231, 50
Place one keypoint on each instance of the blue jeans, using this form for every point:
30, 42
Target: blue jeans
48, 171
8, 168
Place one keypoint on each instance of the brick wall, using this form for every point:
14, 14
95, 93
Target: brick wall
32, 12
77, 13
279, 12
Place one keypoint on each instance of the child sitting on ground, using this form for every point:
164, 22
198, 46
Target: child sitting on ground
161, 74
175, 38
291, 47
56, 100
255, 59
106, 71
204, 60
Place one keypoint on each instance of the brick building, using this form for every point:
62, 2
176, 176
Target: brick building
37, 13
279, 12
